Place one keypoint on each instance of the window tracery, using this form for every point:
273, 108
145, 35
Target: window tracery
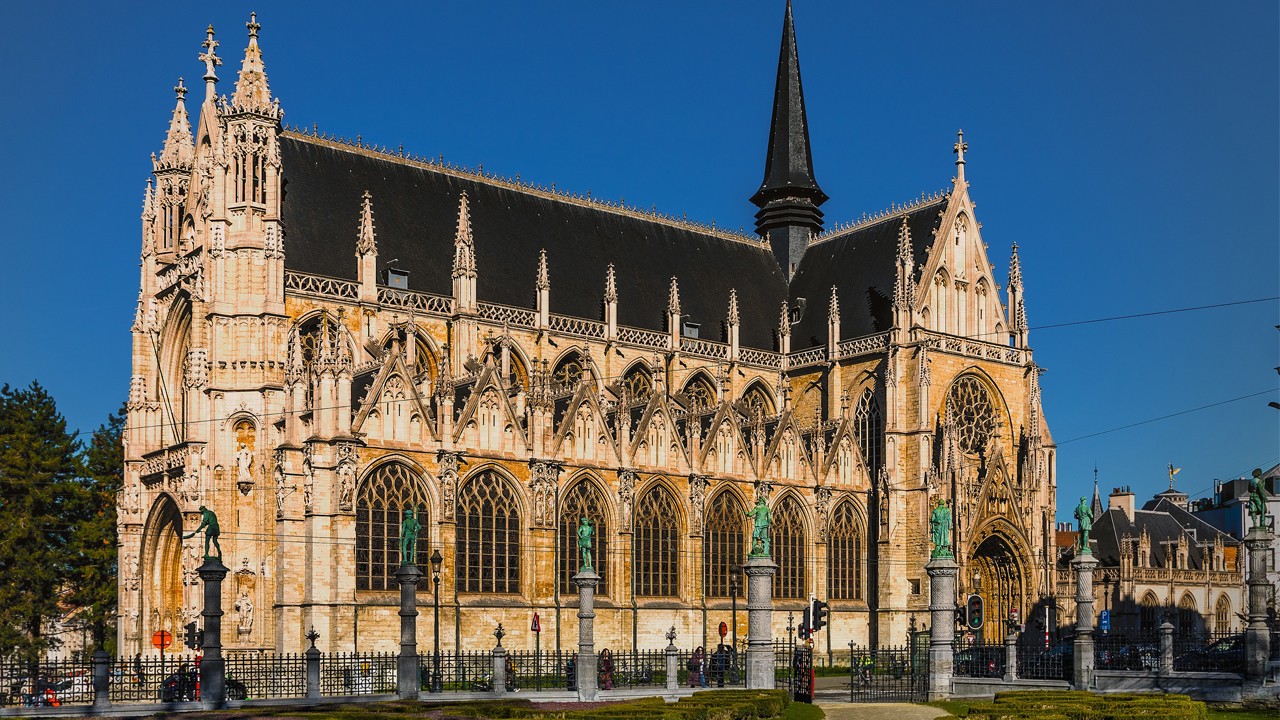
701, 395
758, 402
975, 415
569, 372
724, 544
638, 384
657, 544
380, 506
488, 536
583, 500
844, 550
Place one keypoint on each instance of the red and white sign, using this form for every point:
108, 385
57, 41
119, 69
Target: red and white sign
162, 639
724, 630
535, 625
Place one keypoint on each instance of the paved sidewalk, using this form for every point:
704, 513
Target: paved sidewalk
879, 711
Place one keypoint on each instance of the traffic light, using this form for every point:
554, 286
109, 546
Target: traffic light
962, 618
975, 612
819, 615
192, 638
803, 630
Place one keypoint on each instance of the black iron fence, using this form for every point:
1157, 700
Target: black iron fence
888, 673
358, 674
1121, 651
468, 671
978, 659
539, 670
1038, 660
151, 679
252, 676
49, 683
1209, 652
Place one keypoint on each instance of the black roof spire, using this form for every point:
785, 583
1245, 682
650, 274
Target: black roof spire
789, 197
788, 165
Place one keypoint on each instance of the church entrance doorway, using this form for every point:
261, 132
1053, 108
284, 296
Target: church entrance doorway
997, 575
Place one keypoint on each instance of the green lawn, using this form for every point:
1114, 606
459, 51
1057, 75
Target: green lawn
1231, 713
1078, 705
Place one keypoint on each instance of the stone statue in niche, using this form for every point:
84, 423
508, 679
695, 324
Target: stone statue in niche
244, 606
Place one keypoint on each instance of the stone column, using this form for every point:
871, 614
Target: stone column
101, 679
942, 625
586, 580
407, 664
1082, 650
213, 686
673, 660
1164, 665
1257, 637
760, 572
1011, 656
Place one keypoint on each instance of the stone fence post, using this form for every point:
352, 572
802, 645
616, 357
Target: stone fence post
312, 659
1165, 665
101, 679
499, 664
942, 625
1011, 656
673, 661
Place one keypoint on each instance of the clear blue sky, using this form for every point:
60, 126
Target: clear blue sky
1131, 149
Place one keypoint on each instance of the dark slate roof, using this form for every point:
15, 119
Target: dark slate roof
862, 265
1163, 521
788, 164
415, 211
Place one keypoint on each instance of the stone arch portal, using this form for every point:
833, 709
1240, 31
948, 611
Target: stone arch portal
998, 575
161, 569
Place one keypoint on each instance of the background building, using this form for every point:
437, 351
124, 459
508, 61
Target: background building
327, 333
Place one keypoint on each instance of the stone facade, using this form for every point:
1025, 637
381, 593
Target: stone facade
308, 408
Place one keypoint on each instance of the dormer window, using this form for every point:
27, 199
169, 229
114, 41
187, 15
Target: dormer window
398, 278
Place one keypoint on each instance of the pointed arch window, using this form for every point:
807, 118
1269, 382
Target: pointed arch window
868, 427
656, 551
975, 414
583, 500
724, 543
317, 336
1149, 612
788, 541
758, 402
638, 384
380, 506
569, 372
699, 393
844, 550
1222, 615
1188, 617
488, 536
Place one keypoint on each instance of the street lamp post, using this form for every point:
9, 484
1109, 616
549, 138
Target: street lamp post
436, 560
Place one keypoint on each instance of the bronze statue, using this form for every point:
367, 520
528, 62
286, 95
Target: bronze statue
585, 532
409, 538
1257, 500
1084, 516
208, 523
760, 529
940, 530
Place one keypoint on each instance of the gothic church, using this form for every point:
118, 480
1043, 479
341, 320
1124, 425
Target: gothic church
328, 333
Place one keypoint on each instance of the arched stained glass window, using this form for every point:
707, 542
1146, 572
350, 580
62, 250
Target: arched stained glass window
1188, 617
583, 500
569, 371
1149, 612
844, 552
758, 402
700, 393
1222, 615
788, 541
488, 536
724, 547
317, 333
656, 553
380, 505
975, 416
868, 427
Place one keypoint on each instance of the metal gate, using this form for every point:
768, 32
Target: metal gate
890, 673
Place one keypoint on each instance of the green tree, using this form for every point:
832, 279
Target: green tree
40, 493
94, 545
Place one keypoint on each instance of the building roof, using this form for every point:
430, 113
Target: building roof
415, 207
1163, 521
862, 264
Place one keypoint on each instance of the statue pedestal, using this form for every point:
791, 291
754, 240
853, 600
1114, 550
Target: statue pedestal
213, 683
1257, 636
760, 572
942, 625
1082, 656
585, 667
407, 664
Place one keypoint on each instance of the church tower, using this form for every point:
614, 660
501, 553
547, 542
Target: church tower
789, 197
